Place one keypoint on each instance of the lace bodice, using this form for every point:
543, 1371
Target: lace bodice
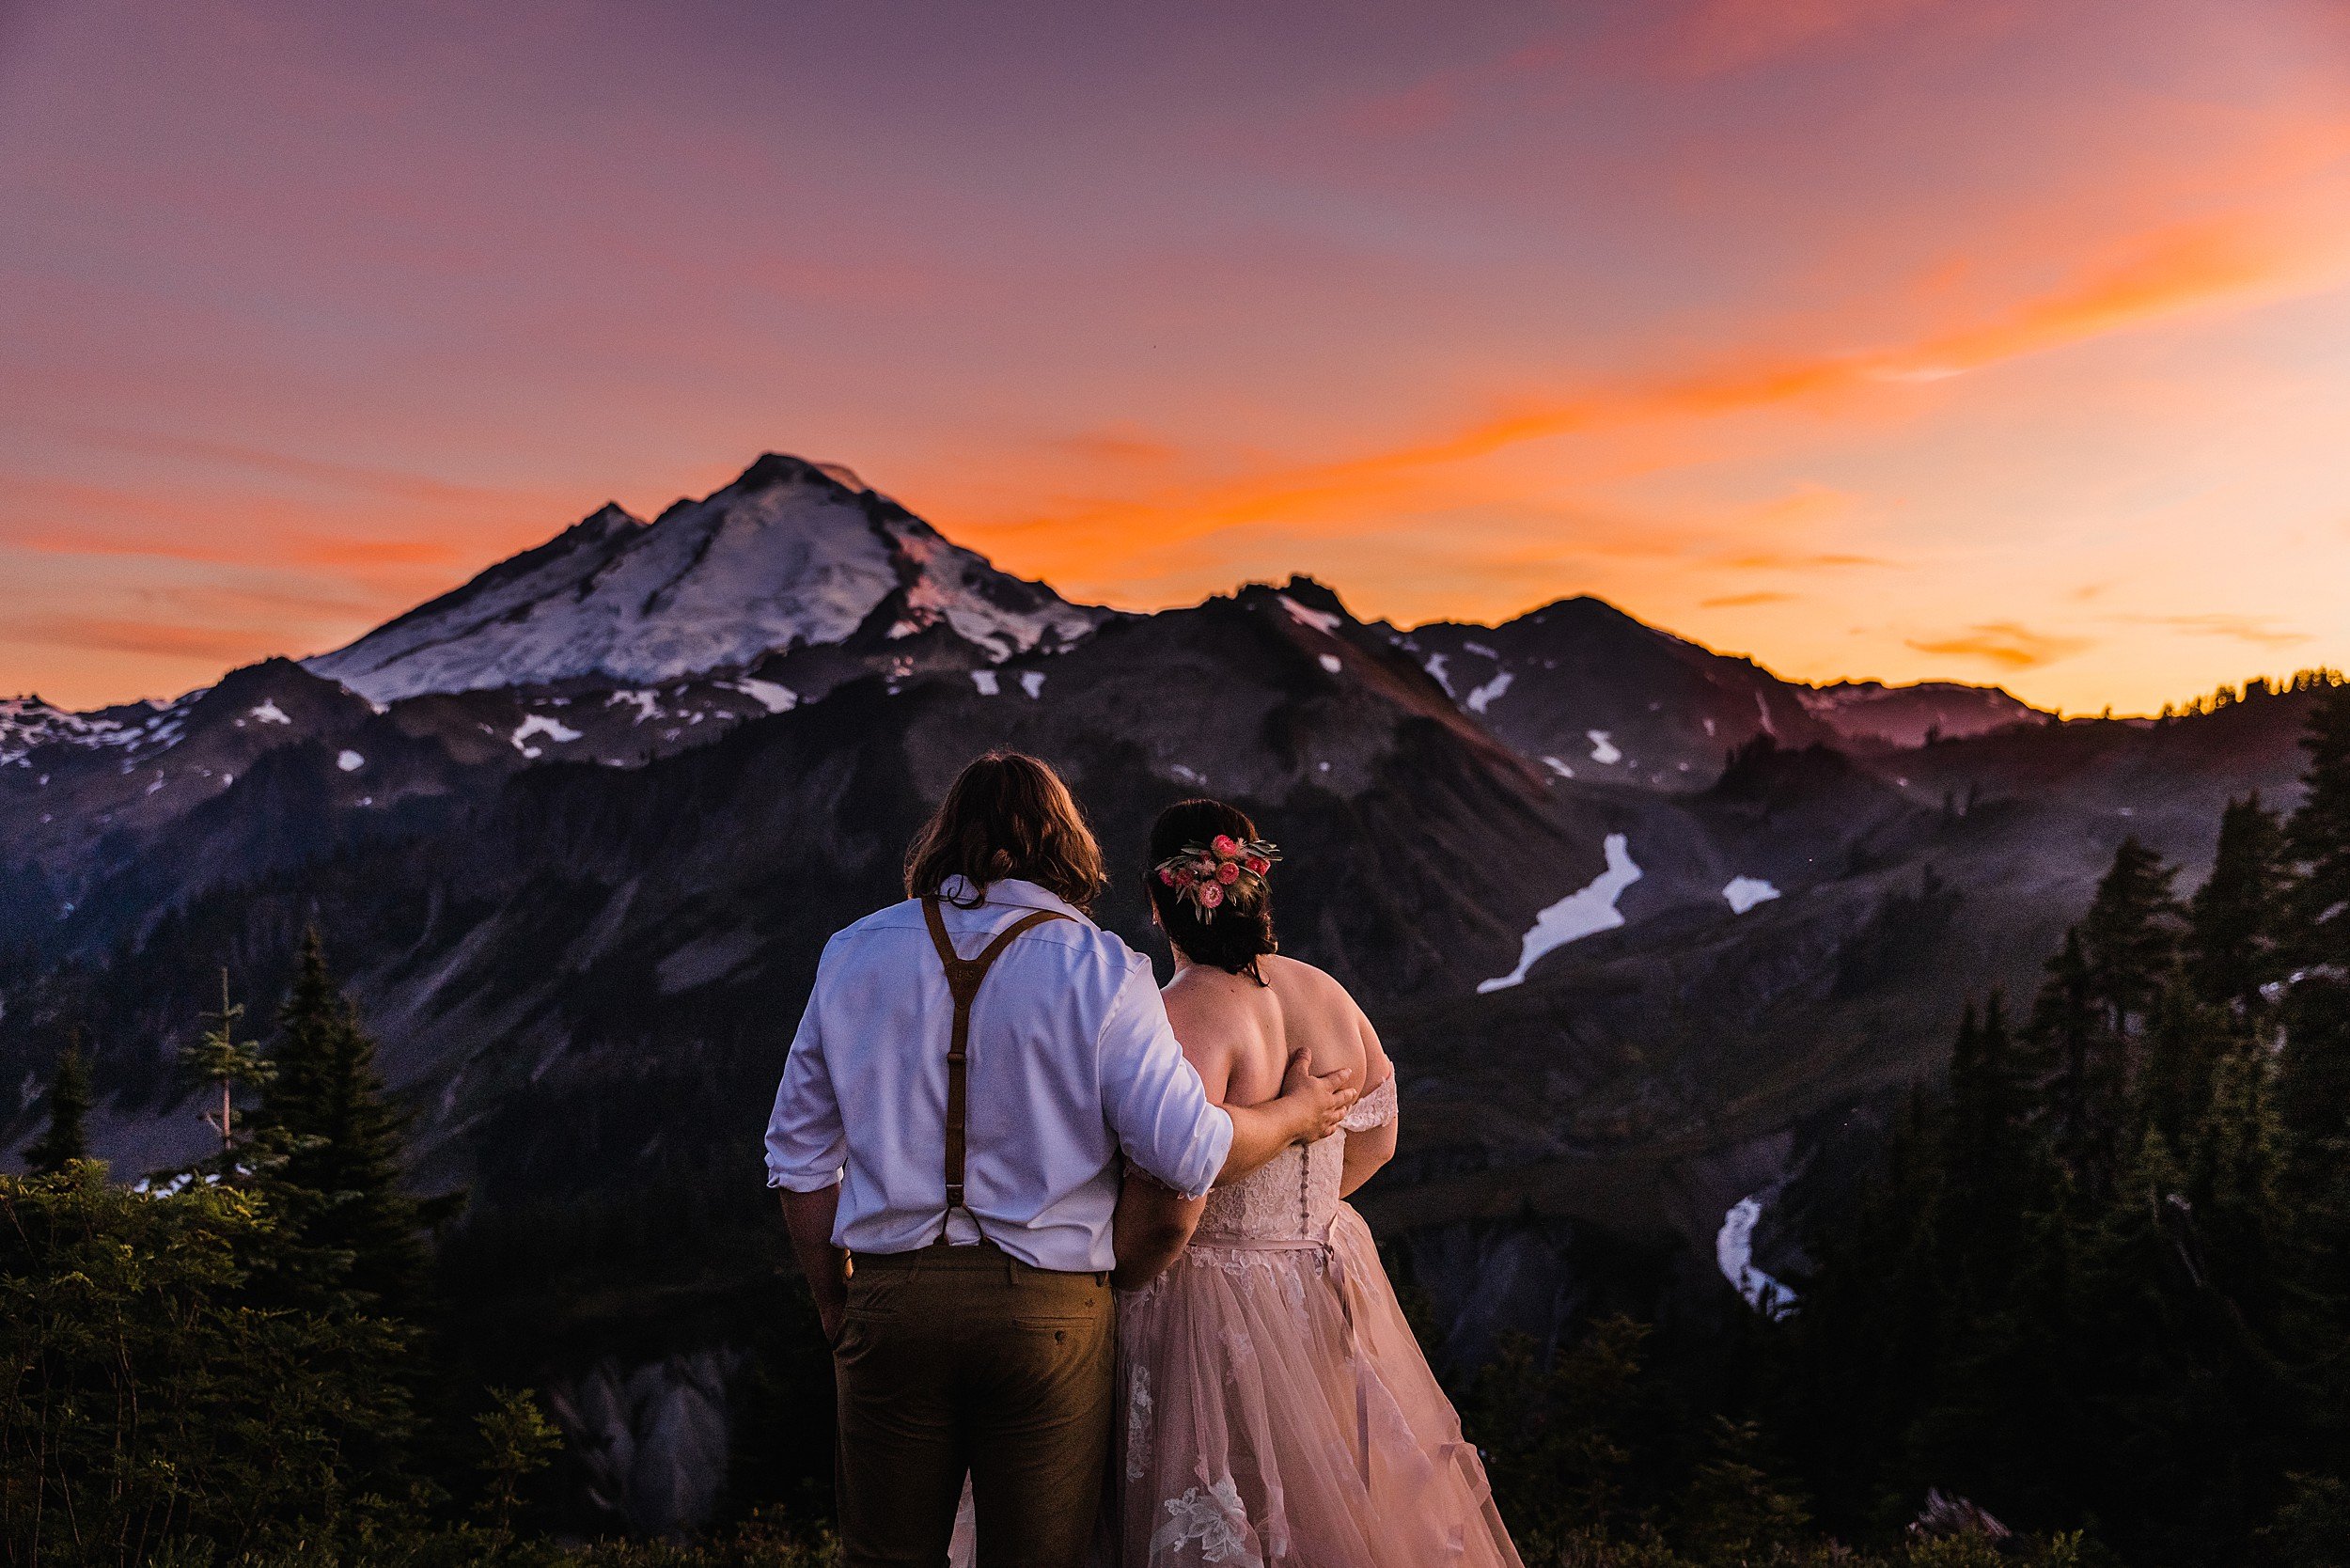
1292, 1196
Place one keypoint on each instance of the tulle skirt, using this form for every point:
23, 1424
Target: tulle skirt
1276, 1409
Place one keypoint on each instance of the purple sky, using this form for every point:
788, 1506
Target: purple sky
2005, 341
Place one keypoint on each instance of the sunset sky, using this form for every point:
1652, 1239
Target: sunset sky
1995, 339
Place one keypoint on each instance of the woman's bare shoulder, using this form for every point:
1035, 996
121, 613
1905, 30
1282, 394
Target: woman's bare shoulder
1211, 1003
1295, 980
1221, 1029
1330, 1011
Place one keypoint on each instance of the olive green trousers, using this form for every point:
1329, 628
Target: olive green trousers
956, 1360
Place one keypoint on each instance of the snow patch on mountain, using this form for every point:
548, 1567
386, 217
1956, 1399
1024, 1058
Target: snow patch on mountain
771, 695
270, 713
788, 554
1320, 620
1491, 689
648, 704
1602, 750
1744, 892
350, 762
540, 724
985, 681
1588, 909
1733, 1254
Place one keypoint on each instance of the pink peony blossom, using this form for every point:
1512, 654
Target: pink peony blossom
1259, 864
1229, 872
1210, 895
1225, 845
1166, 877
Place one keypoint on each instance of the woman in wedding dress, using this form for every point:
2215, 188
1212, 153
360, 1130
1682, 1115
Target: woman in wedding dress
1276, 1408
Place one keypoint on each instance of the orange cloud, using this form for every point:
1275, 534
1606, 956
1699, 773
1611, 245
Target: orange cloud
1780, 561
2230, 260
1737, 600
2004, 643
1122, 444
2260, 630
376, 481
228, 645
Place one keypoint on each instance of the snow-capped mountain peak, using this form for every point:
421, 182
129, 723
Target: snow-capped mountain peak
791, 554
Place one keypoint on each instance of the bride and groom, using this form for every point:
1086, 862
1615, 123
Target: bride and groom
1083, 1244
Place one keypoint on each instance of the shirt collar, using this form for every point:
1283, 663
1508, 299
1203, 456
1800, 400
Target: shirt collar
1013, 892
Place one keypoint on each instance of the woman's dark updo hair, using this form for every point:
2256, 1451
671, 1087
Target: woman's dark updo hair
1242, 931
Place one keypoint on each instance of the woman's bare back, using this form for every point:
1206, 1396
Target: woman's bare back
1239, 1034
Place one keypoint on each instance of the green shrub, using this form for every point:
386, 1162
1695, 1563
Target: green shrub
143, 1399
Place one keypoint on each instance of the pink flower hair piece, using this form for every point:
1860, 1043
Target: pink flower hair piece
1208, 874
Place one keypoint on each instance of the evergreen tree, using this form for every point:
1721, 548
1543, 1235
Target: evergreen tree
2184, 1045
2235, 920
342, 1148
2312, 1084
221, 1060
2101, 991
2314, 1092
1988, 1172
1864, 1347
2066, 1043
69, 1101
2319, 836
2129, 936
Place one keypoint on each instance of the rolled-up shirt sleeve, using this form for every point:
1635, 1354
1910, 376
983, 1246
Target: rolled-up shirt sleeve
805, 1142
1153, 1099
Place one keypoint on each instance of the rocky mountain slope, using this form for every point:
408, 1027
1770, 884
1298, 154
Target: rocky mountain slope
1628, 987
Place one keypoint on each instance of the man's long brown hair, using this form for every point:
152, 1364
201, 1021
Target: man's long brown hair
1008, 815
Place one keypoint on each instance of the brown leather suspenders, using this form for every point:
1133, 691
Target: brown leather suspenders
963, 976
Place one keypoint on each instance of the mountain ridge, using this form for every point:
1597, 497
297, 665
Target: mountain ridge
580, 914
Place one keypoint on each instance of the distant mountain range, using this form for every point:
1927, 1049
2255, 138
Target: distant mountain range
1647, 927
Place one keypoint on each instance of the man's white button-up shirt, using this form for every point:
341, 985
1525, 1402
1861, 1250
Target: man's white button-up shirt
1071, 1059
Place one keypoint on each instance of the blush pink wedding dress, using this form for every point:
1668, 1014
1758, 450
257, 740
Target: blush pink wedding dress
1275, 1407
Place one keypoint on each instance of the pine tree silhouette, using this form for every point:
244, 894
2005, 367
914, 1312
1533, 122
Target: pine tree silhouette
2184, 1045
2314, 1096
2066, 1044
343, 1149
2235, 920
2319, 835
1986, 1154
221, 1060
2130, 935
69, 1101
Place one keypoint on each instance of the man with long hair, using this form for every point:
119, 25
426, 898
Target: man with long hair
947, 1135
